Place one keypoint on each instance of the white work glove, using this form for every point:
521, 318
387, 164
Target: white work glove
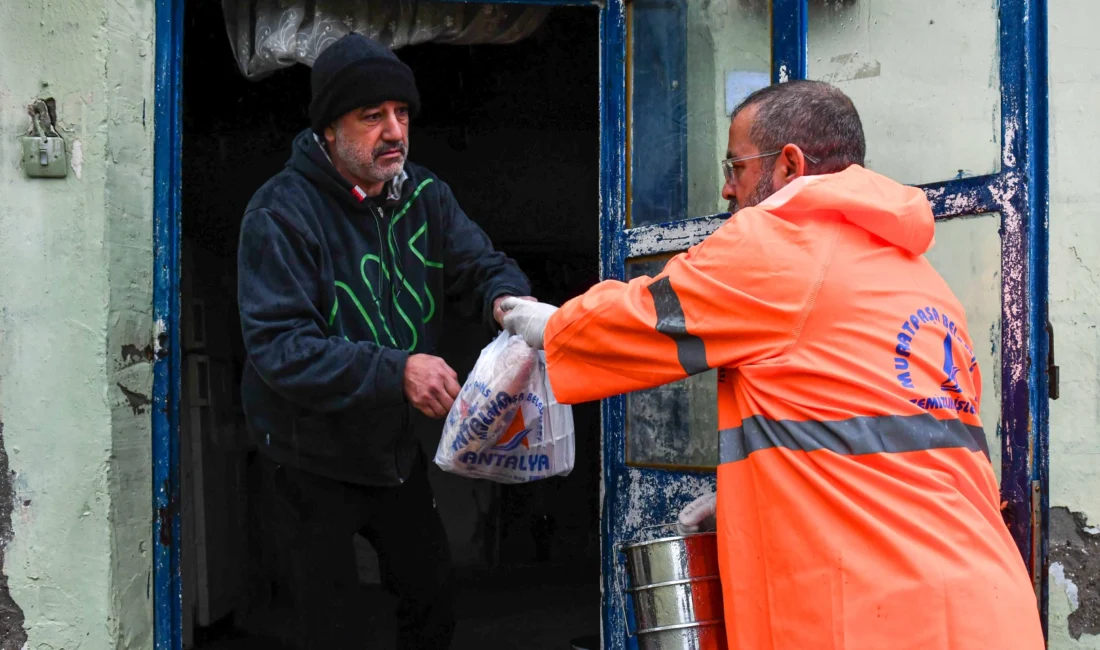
527, 319
699, 515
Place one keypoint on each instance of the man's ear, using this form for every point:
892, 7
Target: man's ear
330, 135
791, 164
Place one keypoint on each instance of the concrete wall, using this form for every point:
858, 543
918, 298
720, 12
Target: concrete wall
1074, 311
75, 329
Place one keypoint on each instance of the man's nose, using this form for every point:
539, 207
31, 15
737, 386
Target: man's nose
727, 192
391, 127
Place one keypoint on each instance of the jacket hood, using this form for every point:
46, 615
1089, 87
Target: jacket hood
897, 213
310, 160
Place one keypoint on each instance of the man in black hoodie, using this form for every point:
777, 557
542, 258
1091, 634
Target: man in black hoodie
346, 258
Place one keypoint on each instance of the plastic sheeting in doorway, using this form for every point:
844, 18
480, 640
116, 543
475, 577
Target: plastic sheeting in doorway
267, 35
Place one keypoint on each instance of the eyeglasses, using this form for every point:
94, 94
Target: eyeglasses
728, 169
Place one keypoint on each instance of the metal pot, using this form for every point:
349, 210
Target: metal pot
668, 559
696, 636
676, 593
677, 603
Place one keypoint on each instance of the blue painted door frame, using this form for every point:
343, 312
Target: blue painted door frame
1019, 192
167, 182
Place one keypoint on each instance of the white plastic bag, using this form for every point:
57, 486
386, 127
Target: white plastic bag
505, 425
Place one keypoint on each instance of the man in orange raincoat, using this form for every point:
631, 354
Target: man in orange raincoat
856, 504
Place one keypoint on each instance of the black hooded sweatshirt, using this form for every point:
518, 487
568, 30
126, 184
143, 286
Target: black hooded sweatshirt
336, 290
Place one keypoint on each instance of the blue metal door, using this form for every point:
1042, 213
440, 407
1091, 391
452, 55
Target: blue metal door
672, 71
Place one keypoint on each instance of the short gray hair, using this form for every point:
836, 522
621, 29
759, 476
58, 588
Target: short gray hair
817, 117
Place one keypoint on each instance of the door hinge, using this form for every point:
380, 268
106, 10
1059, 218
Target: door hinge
1052, 369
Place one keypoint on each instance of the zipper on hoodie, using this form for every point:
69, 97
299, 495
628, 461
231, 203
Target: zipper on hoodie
384, 291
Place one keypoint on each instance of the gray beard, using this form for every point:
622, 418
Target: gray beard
363, 164
760, 193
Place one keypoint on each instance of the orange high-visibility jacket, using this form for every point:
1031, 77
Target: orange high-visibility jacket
857, 507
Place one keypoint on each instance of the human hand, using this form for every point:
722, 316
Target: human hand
527, 319
498, 312
698, 515
430, 385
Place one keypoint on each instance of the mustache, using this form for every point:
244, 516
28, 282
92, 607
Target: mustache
384, 149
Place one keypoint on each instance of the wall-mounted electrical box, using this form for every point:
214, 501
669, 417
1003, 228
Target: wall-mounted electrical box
44, 157
44, 152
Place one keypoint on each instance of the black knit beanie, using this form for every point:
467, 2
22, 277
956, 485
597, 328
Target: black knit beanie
355, 72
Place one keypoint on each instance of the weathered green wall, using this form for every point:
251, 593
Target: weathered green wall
75, 326
1075, 310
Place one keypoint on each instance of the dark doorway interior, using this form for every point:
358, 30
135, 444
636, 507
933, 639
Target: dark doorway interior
515, 131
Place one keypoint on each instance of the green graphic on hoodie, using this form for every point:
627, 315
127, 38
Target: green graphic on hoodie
426, 315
